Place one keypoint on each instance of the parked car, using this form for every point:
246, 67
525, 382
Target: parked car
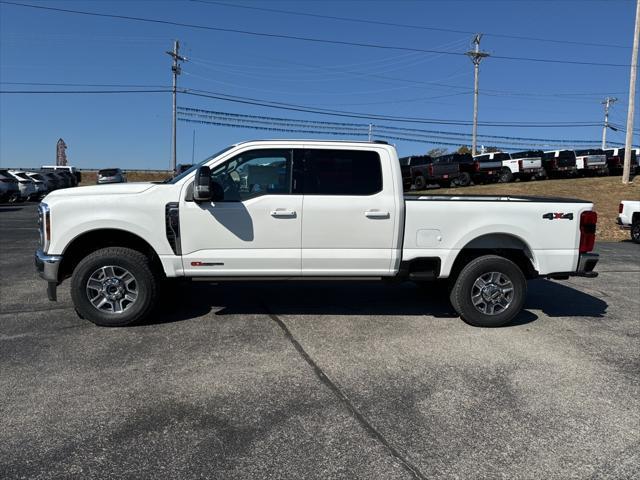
591, 161
357, 223
41, 188
111, 175
25, 184
65, 168
485, 171
629, 218
53, 181
526, 165
615, 160
41, 182
558, 163
9, 190
181, 168
423, 170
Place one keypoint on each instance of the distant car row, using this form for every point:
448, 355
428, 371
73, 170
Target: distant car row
24, 185
461, 169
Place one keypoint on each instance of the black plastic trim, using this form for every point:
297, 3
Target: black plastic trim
172, 224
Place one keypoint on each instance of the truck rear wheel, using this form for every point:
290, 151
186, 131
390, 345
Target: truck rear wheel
505, 176
464, 180
489, 292
420, 183
635, 231
114, 287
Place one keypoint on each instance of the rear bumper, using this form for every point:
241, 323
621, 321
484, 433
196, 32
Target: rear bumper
586, 263
623, 226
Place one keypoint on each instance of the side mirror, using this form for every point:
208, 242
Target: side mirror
202, 185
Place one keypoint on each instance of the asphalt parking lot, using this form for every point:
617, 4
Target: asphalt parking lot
311, 380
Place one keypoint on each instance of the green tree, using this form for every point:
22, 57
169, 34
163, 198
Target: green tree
464, 149
436, 152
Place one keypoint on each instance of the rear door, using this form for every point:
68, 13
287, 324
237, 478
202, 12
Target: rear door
348, 219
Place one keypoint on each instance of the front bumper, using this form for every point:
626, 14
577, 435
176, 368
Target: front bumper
47, 267
586, 263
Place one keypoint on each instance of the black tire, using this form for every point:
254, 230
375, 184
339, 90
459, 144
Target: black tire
465, 286
420, 182
464, 180
505, 176
145, 280
635, 231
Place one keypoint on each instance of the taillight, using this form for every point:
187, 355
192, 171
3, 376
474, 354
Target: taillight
430, 170
620, 208
554, 164
520, 165
588, 222
586, 162
476, 166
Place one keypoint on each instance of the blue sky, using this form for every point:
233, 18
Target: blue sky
133, 130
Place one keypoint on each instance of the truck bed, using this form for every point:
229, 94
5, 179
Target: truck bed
492, 198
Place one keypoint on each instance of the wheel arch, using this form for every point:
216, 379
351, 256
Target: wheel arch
507, 245
92, 240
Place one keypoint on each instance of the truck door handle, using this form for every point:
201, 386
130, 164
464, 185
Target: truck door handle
376, 214
281, 212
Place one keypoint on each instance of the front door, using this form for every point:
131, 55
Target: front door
255, 230
349, 214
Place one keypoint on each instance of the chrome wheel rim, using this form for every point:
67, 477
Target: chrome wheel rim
492, 293
635, 232
112, 289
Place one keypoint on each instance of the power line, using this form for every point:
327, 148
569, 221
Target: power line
305, 109
404, 25
53, 92
362, 126
299, 38
84, 85
371, 116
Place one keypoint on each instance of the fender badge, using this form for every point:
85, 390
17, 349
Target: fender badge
558, 216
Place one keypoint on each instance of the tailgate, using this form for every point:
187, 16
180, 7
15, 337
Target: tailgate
595, 160
531, 163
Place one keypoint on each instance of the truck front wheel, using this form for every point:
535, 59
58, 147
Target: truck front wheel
489, 291
114, 287
505, 176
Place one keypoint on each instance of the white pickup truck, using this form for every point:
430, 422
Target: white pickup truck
629, 218
292, 209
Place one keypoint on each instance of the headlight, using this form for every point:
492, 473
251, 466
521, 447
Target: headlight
44, 226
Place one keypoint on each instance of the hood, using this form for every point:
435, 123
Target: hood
109, 189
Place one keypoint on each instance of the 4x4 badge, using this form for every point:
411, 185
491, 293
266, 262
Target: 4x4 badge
555, 216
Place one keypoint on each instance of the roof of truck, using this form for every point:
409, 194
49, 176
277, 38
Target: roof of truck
309, 140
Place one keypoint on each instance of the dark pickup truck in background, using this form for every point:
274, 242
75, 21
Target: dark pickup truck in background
615, 160
557, 163
422, 170
472, 170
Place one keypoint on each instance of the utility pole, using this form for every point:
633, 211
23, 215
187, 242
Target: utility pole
632, 95
175, 68
607, 102
370, 130
476, 57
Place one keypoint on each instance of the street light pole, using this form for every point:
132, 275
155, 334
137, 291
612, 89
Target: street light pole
626, 170
607, 102
476, 57
175, 69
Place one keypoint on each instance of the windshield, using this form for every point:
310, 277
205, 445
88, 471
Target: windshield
177, 178
108, 172
527, 154
405, 161
591, 151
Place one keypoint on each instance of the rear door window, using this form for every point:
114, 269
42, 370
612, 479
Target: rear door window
341, 172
